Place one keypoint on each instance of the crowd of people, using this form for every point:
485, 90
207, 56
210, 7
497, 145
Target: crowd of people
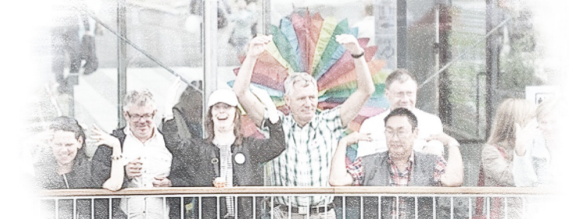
403, 146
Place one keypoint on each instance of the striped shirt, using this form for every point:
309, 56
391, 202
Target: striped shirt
306, 160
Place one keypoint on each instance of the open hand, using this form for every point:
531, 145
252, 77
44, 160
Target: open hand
524, 135
102, 138
171, 97
355, 137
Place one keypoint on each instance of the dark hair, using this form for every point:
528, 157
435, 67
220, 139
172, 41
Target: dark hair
403, 112
67, 124
401, 75
236, 127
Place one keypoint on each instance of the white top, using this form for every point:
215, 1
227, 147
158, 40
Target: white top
533, 169
156, 160
428, 124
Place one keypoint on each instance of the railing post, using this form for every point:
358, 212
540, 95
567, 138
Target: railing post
210, 52
492, 63
266, 17
121, 59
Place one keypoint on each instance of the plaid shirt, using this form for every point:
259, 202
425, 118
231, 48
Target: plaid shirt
306, 160
396, 178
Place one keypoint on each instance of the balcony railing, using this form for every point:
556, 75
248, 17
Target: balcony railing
349, 201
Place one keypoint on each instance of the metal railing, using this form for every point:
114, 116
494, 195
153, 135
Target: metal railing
453, 197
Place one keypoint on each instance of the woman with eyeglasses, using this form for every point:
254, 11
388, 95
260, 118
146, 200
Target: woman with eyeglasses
66, 165
226, 158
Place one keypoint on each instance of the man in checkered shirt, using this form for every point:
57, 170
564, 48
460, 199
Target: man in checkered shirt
311, 136
400, 165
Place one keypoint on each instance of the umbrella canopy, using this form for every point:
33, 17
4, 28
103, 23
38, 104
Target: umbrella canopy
307, 43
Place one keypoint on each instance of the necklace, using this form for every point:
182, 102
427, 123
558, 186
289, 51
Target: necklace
65, 180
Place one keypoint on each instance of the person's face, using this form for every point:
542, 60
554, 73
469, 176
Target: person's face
399, 137
302, 102
402, 94
64, 146
141, 121
548, 125
223, 116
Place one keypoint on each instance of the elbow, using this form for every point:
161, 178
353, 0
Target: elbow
453, 181
339, 181
334, 182
112, 186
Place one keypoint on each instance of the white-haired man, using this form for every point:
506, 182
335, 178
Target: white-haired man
147, 160
310, 136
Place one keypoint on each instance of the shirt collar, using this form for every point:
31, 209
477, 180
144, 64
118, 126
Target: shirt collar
411, 158
311, 123
128, 132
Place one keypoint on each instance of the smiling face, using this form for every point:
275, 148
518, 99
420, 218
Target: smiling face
141, 120
402, 94
302, 102
399, 136
223, 116
64, 146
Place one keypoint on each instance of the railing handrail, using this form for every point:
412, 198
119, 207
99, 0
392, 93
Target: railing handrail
342, 190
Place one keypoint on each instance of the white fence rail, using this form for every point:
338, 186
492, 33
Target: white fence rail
350, 202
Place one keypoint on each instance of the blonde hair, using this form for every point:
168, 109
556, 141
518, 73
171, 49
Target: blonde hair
510, 112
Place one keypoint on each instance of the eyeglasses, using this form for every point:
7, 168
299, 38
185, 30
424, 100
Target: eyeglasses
401, 134
144, 116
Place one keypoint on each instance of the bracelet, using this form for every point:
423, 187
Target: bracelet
116, 157
359, 55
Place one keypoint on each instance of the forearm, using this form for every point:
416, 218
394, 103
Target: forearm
357, 100
339, 176
364, 80
115, 182
243, 80
250, 103
454, 172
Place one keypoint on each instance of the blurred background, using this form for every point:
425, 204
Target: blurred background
79, 57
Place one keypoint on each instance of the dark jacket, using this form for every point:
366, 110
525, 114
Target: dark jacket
376, 170
192, 166
101, 162
101, 168
79, 178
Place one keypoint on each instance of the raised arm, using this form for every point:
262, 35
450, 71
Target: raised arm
252, 105
454, 171
339, 175
115, 181
351, 107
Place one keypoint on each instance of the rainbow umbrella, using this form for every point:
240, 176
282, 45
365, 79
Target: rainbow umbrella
307, 43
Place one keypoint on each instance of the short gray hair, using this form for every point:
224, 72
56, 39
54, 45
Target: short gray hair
401, 75
294, 77
140, 97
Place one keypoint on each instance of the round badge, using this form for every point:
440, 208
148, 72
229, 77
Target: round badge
240, 158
